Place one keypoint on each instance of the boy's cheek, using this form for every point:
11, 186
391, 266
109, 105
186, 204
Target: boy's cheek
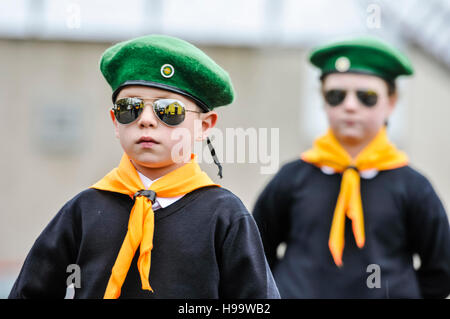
180, 144
121, 133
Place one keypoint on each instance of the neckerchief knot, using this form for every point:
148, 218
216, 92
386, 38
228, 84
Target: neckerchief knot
151, 195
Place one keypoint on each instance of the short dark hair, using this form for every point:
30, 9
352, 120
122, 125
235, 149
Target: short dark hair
392, 88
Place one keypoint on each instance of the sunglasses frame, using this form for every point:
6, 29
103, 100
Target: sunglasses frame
143, 104
357, 93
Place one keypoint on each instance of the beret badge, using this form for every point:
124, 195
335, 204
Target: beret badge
342, 64
167, 70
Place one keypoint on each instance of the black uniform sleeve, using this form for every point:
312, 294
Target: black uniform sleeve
43, 274
271, 215
244, 272
429, 235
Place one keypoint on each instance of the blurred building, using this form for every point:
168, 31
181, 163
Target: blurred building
57, 136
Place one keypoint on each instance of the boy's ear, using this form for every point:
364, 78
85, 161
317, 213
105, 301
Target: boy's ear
116, 127
209, 120
393, 99
111, 114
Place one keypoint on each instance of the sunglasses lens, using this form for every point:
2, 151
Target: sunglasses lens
171, 112
368, 98
127, 110
334, 97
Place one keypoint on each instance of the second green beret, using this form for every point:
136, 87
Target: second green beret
167, 63
367, 55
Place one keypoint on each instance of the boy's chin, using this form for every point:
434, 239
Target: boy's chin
351, 136
153, 161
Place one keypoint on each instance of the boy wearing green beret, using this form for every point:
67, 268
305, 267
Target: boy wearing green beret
354, 187
156, 226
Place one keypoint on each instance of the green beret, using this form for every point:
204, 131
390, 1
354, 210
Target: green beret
167, 63
367, 55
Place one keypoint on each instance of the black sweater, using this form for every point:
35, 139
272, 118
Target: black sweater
402, 216
206, 245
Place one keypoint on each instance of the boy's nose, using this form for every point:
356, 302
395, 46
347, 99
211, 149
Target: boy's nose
147, 117
350, 102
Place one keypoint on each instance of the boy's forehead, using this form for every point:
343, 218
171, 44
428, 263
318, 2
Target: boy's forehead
353, 80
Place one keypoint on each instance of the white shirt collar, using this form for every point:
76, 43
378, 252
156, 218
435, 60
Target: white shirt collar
366, 174
160, 202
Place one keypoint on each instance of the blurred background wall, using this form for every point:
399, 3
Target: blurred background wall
57, 137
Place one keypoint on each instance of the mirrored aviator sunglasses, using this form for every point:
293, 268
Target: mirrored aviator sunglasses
335, 97
169, 111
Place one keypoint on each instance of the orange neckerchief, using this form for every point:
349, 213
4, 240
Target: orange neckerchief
124, 179
380, 154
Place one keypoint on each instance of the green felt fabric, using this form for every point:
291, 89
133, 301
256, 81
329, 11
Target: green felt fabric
168, 63
368, 55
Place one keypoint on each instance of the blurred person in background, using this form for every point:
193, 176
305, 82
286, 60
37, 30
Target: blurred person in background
355, 187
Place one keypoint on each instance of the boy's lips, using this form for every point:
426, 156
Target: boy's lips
350, 122
146, 141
